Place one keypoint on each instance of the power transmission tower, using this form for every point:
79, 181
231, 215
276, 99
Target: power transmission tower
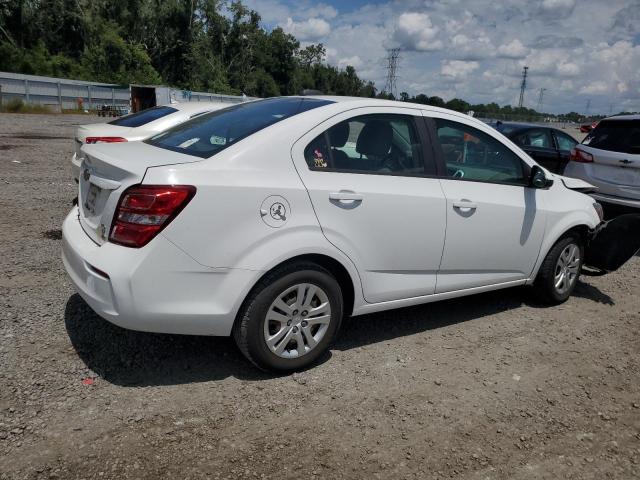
523, 85
393, 59
540, 98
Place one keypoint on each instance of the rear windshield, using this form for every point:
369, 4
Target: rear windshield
142, 118
208, 134
615, 135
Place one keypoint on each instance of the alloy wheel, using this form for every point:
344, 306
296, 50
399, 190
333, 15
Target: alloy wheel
297, 320
567, 268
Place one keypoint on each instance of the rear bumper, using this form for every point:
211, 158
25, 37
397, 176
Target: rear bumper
616, 194
626, 202
158, 288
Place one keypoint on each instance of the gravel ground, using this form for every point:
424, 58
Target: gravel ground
487, 387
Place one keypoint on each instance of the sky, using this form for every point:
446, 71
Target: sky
584, 53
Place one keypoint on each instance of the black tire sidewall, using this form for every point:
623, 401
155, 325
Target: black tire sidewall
554, 254
256, 344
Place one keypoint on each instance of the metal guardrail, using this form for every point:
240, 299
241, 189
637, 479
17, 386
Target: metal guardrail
63, 94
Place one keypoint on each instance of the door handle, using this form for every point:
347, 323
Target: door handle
346, 196
465, 204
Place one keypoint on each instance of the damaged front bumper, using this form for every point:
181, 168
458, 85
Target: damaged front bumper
613, 243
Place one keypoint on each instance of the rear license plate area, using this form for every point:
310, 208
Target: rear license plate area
90, 200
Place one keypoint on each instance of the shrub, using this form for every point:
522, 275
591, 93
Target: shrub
16, 105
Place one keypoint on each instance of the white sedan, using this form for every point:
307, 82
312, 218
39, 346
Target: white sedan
272, 220
137, 126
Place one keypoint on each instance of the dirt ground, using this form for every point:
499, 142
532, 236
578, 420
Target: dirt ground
492, 386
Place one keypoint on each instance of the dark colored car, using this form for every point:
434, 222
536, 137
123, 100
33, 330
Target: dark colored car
548, 146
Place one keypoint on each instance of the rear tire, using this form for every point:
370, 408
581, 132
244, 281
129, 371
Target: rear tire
290, 318
560, 270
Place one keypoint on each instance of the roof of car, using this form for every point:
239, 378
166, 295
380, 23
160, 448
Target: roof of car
635, 116
197, 106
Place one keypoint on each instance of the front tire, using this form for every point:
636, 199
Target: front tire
560, 270
290, 318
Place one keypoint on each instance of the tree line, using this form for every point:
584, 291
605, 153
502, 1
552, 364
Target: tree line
201, 45
208, 45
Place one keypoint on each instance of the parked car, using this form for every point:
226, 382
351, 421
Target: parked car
273, 219
137, 126
548, 146
587, 127
609, 158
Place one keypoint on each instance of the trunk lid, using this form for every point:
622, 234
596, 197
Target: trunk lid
98, 130
109, 169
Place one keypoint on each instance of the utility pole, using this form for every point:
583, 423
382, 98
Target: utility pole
523, 85
540, 97
393, 59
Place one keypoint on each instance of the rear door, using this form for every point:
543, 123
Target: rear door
370, 175
538, 144
564, 144
615, 146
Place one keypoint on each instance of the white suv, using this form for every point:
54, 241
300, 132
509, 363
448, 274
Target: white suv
273, 219
609, 158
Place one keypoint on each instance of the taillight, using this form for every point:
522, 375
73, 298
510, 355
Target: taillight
577, 155
91, 140
144, 210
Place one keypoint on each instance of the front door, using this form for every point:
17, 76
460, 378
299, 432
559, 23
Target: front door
495, 223
367, 173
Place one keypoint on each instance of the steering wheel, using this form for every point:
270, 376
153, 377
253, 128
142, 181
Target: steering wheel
458, 174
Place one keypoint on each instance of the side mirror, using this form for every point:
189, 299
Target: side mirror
538, 179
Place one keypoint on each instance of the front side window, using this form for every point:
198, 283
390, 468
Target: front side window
470, 154
375, 144
142, 118
210, 133
534, 138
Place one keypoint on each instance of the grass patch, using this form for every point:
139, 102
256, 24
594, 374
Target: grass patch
16, 105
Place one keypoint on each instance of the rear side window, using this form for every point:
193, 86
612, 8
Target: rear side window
375, 144
534, 138
142, 118
616, 136
565, 142
208, 134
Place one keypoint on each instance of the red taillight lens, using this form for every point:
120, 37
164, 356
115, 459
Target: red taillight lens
577, 155
144, 210
91, 140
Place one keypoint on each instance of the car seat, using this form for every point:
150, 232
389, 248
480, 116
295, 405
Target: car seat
374, 142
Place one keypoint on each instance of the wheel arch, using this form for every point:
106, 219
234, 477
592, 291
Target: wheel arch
348, 284
580, 226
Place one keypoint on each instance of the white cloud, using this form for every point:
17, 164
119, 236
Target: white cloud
513, 49
353, 61
598, 86
312, 29
476, 50
558, 7
457, 69
414, 31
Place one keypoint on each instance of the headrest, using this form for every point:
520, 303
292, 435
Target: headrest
375, 138
339, 134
